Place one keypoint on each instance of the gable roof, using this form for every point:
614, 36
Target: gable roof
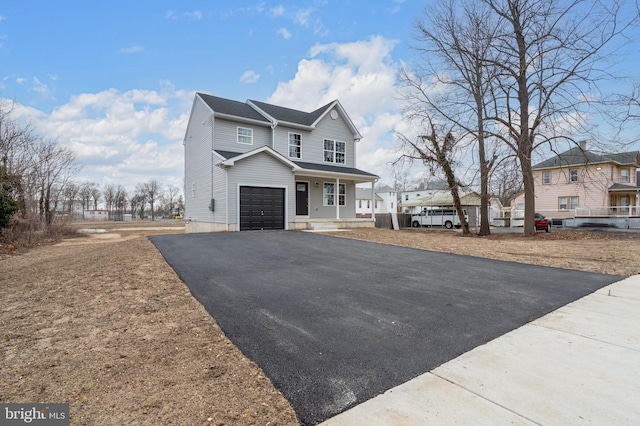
365, 194
273, 114
577, 156
230, 107
289, 115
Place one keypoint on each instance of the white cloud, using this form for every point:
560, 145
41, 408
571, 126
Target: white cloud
40, 87
250, 77
196, 15
3, 40
131, 49
20, 80
284, 33
302, 16
363, 77
120, 137
277, 11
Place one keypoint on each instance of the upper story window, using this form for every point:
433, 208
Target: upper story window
573, 175
406, 197
624, 176
546, 178
334, 151
245, 135
295, 145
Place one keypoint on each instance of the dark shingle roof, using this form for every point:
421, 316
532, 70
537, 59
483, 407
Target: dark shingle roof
235, 108
291, 115
576, 156
622, 187
310, 166
334, 169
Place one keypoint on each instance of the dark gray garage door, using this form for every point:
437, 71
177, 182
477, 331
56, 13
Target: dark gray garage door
261, 208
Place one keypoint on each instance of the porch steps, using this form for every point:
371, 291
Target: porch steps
323, 226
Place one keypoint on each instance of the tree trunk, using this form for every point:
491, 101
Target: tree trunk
529, 197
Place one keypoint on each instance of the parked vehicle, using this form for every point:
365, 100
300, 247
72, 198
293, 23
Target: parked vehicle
438, 217
542, 223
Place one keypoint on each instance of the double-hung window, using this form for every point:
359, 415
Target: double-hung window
329, 194
573, 175
295, 145
245, 135
546, 178
334, 151
567, 202
624, 175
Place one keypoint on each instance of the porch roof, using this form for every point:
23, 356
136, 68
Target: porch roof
309, 169
619, 187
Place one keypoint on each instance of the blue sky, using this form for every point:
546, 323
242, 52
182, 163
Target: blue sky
115, 80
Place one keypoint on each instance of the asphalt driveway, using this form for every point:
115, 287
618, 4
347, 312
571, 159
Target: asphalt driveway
334, 322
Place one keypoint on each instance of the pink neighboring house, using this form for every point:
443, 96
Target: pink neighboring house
587, 187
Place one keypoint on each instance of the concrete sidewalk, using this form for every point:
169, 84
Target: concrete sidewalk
579, 364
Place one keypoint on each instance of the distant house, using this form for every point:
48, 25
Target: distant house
384, 200
583, 187
257, 166
96, 214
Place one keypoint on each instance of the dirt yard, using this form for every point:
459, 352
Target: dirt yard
101, 322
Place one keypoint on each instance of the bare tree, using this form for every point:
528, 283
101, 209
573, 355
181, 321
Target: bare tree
55, 165
506, 180
437, 153
109, 192
152, 189
120, 200
95, 194
455, 38
549, 55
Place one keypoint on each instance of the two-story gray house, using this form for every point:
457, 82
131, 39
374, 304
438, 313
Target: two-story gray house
254, 166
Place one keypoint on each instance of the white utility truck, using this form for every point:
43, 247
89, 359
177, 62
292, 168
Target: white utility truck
438, 217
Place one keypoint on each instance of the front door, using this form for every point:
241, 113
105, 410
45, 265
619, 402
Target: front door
302, 198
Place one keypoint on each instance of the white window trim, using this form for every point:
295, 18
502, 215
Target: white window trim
577, 175
238, 135
289, 144
335, 194
546, 181
334, 152
628, 176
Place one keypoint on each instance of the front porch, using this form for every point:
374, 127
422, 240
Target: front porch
309, 224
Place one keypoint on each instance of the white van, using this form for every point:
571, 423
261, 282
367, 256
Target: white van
438, 217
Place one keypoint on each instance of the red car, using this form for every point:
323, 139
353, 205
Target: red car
542, 223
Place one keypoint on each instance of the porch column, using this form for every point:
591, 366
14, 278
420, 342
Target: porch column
337, 198
373, 202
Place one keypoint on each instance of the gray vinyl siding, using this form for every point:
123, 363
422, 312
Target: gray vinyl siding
282, 142
226, 136
198, 163
260, 170
313, 142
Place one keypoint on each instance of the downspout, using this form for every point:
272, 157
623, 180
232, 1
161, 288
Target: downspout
274, 124
213, 213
